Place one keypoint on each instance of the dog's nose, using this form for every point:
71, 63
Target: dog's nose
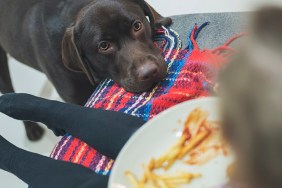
148, 72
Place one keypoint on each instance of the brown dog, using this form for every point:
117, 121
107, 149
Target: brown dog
251, 87
79, 43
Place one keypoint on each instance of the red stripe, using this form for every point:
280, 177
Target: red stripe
70, 149
101, 103
90, 156
125, 99
77, 150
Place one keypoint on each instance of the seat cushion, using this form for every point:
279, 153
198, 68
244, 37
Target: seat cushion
192, 71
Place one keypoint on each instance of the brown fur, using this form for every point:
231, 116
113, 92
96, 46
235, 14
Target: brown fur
61, 38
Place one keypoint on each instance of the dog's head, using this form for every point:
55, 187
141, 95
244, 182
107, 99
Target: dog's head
113, 39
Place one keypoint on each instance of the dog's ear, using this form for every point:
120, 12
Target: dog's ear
155, 18
71, 56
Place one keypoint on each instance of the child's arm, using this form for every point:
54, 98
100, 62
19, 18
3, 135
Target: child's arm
43, 172
106, 131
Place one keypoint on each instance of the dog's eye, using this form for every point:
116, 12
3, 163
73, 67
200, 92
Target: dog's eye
137, 25
103, 46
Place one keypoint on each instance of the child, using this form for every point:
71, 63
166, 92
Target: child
251, 88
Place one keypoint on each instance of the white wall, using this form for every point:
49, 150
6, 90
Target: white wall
175, 7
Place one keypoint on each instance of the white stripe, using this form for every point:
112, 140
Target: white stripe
65, 142
98, 167
113, 99
100, 93
140, 98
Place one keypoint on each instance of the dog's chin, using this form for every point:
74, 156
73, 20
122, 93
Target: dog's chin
138, 88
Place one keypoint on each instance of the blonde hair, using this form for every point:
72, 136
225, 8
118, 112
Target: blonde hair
251, 89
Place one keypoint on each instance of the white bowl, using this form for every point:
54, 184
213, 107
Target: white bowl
157, 136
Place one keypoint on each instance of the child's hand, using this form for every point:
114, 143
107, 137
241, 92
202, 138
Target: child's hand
14, 104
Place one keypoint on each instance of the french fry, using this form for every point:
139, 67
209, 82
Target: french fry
142, 185
181, 175
151, 176
192, 176
155, 180
170, 185
181, 178
197, 130
144, 178
194, 142
170, 162
132, 179
179, 181
197, 117
161, 183
171, 152
150, 184
171, 155
147, 173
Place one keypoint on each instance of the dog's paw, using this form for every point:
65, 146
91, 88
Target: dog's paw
33, 131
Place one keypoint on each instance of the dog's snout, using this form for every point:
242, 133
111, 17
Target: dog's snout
148, 72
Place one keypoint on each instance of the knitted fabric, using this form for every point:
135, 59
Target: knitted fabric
191, 74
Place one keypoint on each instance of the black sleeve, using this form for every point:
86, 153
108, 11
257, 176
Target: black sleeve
43, 172
106, 131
